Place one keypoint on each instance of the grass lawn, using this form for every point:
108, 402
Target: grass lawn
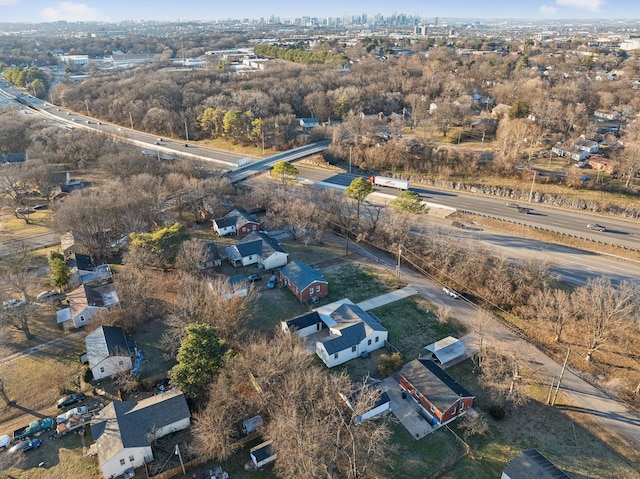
273, 306
412, 325
313, 254
553, 431
148, 338
358, 283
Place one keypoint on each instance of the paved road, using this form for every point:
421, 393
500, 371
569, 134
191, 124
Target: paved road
8, 245
583, 397
619, 231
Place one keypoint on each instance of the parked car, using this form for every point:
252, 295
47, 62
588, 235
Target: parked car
5, 441
596, 227
25, 446
46, 294
451, 292
253, 278
76, 411
39, 206
272, 282
70, 399
13, 303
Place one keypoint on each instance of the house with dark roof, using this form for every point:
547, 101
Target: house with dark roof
84, 303
108, 352
531, 464
258, 248
124, 430
304, 281
212, 256
380, 405
8, 159
304, 325
440, 397
352, 333
236, 223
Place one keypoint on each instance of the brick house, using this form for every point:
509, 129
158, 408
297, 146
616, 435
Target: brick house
304, 281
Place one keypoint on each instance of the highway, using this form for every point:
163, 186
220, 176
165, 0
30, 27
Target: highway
619, 232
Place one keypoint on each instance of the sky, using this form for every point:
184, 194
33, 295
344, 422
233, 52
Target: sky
36, 11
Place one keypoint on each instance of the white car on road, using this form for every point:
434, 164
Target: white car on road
451, 292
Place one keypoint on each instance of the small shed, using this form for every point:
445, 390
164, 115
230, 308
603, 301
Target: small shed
261, 454
251, 425
447, 351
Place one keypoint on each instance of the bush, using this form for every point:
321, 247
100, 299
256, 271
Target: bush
388, 364
497, 412
87, 375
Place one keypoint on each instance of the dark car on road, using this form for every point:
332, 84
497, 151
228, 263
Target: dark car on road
70, 399
524, 211
25, 446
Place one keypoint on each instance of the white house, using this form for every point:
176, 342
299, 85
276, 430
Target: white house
380, 406
304, 325
261, 454
108, 352
236, 222
123, 430
353, 332
84, 303
587, 145
258, 248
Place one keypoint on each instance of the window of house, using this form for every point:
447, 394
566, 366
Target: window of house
131, 459
255, 227
318, 326
335, 356
453, 411
377, 339
432, 409
461, 406
311, 290
122, 462
101, 369
81, 318
369, 342
353, 349
317, 289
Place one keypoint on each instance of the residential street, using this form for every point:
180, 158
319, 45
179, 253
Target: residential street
585, 398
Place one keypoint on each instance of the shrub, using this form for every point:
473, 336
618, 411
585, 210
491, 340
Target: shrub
388, 364
497, 412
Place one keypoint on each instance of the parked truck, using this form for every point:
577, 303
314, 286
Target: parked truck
390, 182
73, 424
34, 428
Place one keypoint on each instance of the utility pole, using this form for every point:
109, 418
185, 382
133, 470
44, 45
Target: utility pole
131, 120
398, 265
177, 453
350, 148
186, 131
533, 182
564, 366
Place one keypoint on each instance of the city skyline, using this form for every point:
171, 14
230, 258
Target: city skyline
37, 11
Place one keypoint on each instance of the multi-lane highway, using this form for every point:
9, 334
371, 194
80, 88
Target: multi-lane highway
619, 231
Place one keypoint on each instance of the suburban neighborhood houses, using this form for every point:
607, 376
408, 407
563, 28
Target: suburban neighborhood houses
367, 246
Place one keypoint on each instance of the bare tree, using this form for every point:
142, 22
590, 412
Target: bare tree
3, 393
604, 310
553, 306
191, 256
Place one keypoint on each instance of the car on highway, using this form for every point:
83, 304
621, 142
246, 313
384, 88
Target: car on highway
596, 227
5, 441
253, 278
70, 399
451, 292
25, 446
524, 211
513, 205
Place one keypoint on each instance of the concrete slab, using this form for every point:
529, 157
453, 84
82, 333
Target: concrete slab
387, 298
406, 410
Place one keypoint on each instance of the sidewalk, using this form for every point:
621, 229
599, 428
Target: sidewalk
387, 298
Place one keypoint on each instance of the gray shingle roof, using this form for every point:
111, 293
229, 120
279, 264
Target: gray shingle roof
531, 463
266, 245
235, 217
354, 324
304, 321
434, 383
127, 424
301, 275
104, 342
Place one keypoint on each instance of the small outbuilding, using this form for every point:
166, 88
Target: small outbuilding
447, 351
261, 454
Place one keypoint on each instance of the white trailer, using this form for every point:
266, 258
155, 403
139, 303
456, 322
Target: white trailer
390, 182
